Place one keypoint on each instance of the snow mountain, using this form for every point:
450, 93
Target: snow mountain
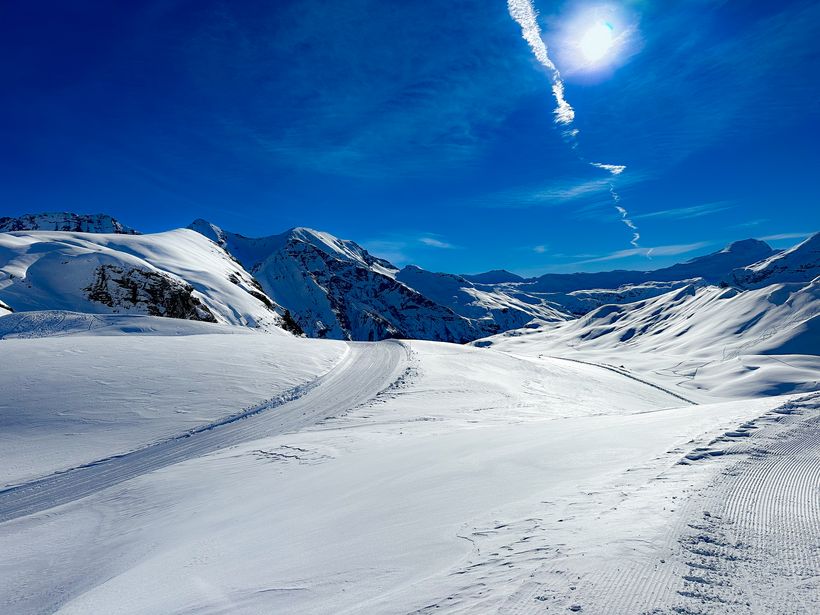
335, 289
311, 282
176, 274
800, 264
711, 336
65, 221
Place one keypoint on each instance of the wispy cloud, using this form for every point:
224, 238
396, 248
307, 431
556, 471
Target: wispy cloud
524, 14
780, 236
668, 250
555, 193
436, 243
401, 249
694, 211
351, 90
615, 169
393, 251
540, 249
750, 223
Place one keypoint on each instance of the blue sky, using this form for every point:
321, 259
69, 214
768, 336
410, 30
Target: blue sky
423, 130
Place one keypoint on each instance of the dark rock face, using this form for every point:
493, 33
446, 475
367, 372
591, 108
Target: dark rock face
65, 221
346, 299
154, 292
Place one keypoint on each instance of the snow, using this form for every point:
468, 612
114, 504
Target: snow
800, 263
54, 270
706, 340
65, 221
476, 482
95, 394
658, 454
335, 289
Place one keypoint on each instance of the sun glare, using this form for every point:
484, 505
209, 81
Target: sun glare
597, 41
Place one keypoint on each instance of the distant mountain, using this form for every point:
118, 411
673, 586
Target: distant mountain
65, 221
501, 309
496, 276
703, 333
711, 268
177, 274
334, 288
309, 281
798, 264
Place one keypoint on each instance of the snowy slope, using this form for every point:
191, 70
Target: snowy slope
178, 274
512, 302
800, 263
711, 268
721, 340
336, 289
494, 306
478, 482
65, 221
101, 385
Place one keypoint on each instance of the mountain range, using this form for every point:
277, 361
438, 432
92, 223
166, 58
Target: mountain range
310, 282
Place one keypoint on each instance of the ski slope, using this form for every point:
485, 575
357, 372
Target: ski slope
427, 477
104, 385
362, 372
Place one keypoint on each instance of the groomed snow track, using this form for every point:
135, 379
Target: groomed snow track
364, 371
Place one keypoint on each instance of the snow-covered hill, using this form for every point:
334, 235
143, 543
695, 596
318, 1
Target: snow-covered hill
712, 268
798, 264
336, 289
65, 221
177, 274
717, 337
498, 307
637, 459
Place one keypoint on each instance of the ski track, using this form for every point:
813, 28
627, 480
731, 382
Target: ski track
741, 540
365, 370
622, 372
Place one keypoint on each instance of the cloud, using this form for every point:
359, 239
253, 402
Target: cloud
400, 249
780, 236
540, 249
668, 250
615, 169
524, 14
393, 251
749, 223
436, 243
351, 89
691, 89
682, 213
555, 192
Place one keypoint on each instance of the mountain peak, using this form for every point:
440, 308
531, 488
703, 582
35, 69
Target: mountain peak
800, 263
65, 221
746, 246
496, 276
211, 231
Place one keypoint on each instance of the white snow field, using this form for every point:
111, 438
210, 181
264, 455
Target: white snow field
177, 273
72, 399
389, 477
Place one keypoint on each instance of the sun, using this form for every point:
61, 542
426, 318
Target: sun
597, 42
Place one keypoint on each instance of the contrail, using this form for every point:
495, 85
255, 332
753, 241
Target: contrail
523, 12
625, 218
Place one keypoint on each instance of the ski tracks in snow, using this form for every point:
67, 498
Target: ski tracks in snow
364, 371
732, 528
